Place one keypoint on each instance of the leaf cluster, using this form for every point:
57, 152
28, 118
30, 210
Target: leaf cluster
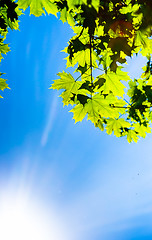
8, 19
106, 34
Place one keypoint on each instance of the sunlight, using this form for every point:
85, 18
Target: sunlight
22, 218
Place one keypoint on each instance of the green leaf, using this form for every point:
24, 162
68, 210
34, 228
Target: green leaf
37, 6
132, 136
3, 49
141, 129
67, 97
99, 124
63, 15
122, 75
92, 110
102, 105
143, 43
3, 84
79, 112
95, 4
82, 58
67, 82
73, 3
116, 126
112, 84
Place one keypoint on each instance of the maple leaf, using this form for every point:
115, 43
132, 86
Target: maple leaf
116, 126
132, 136
92, 110
3, 84
100, 124
79, 112
67, 82
141, 129
120, 44
143, 43
122, 28
3, 49
122, 75
103, 107
83, 57
67, 16
112, 84
37, 6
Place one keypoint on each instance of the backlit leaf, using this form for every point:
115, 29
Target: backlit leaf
112, 84
116, 126
37, 6
79, 112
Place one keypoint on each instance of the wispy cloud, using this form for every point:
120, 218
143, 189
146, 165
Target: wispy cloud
50, 121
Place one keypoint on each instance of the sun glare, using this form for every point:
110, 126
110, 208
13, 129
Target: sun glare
21, 219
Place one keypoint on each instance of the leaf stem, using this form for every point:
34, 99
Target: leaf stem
113, 106
91, 57
82, 73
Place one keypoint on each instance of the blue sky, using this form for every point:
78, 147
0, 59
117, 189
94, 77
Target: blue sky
83, 183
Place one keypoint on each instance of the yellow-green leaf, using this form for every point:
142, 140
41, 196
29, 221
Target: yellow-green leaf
79, 112
37, 6
115, 125
67, 82
132, 136
112, 84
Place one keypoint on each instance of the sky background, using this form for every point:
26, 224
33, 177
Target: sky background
74, 180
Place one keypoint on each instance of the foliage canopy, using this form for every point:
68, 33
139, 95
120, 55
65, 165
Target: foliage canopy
106, 34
